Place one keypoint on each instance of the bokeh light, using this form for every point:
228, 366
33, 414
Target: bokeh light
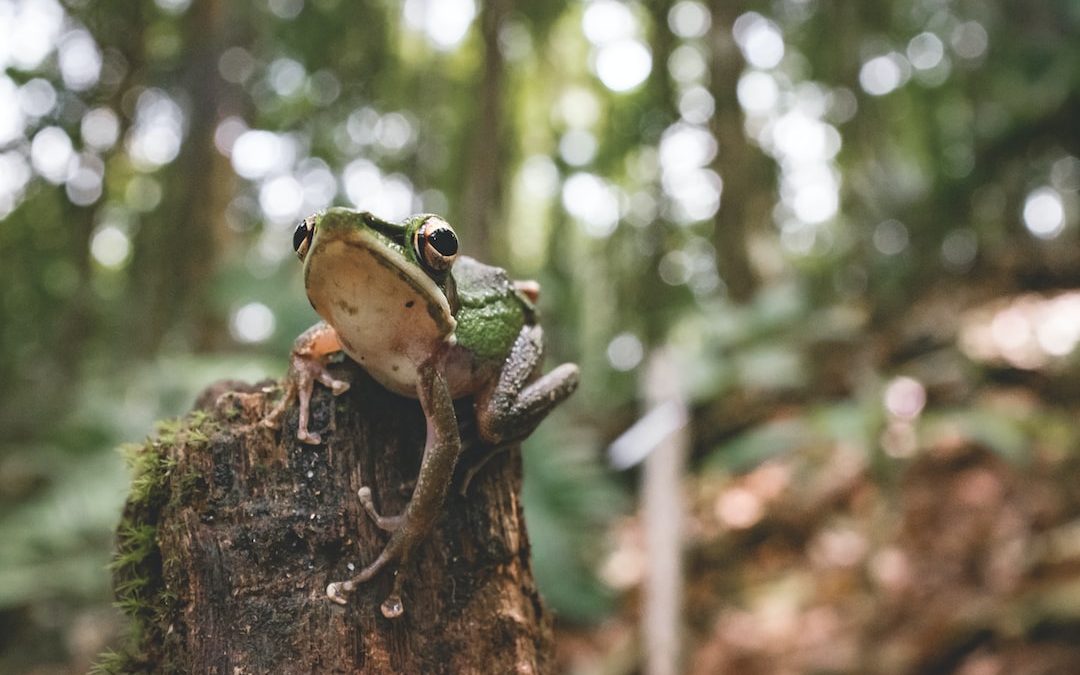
925, 51
883, 74
80, 60
625, 352
110, 247
760, 40
444, 22
623, 65
593, 201
155, 138
100, 128
252, 322
51, 154
1044, 213
969, 40
689, 19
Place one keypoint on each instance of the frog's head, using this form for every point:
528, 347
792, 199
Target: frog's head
424, 239
360, 271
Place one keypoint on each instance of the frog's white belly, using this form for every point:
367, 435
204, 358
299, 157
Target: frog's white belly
389, 315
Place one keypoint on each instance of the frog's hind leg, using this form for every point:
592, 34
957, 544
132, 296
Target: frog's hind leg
441, 452
516, 403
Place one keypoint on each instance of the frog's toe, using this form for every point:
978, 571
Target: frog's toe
335, 592
308, 437
388, 523
272, 420
392, 607
270, 423
335, 385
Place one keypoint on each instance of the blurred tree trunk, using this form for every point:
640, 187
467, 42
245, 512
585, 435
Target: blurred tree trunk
743, 168
486, 169
233, 531
175, 250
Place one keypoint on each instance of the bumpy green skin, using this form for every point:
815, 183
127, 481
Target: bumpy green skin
491, 313
391, 235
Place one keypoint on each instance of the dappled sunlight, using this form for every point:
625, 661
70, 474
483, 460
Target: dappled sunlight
593, 201
760, 40
253, 322
155, 138
1044, 214
884, 74
443, 22
1028, 332
618, 58
110, 247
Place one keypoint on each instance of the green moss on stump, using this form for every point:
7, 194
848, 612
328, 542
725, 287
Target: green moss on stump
137, 564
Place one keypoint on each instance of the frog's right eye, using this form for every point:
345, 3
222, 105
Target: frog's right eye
301, 238
436, 244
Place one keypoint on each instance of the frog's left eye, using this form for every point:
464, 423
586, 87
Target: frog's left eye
301, 238
436, 244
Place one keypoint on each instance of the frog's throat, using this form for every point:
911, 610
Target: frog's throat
394, 261
438, 307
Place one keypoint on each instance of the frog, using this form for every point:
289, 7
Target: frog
428, 323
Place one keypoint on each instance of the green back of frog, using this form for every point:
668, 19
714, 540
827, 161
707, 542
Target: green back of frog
491, 312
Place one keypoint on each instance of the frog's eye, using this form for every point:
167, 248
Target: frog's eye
436, 244
301, 238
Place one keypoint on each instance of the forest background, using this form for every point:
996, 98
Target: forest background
850, 229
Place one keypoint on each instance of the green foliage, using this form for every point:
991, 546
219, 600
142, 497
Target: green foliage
570, 499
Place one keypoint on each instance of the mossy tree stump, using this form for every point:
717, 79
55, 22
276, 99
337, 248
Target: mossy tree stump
232, 532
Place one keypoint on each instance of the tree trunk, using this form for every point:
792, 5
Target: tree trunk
744, 168
232, 532
487, 175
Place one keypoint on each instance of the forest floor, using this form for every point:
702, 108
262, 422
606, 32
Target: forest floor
818, 561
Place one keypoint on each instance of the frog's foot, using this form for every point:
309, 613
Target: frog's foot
273, 418
512, 409
392, 607
304, 371
388, 523
307, 365
529, 288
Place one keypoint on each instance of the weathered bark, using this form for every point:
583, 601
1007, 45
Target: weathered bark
233, 531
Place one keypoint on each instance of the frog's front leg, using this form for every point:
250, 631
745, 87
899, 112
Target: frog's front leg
511, 408
441, 452
307, 364
516, 403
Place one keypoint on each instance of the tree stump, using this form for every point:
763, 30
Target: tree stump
232, 532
